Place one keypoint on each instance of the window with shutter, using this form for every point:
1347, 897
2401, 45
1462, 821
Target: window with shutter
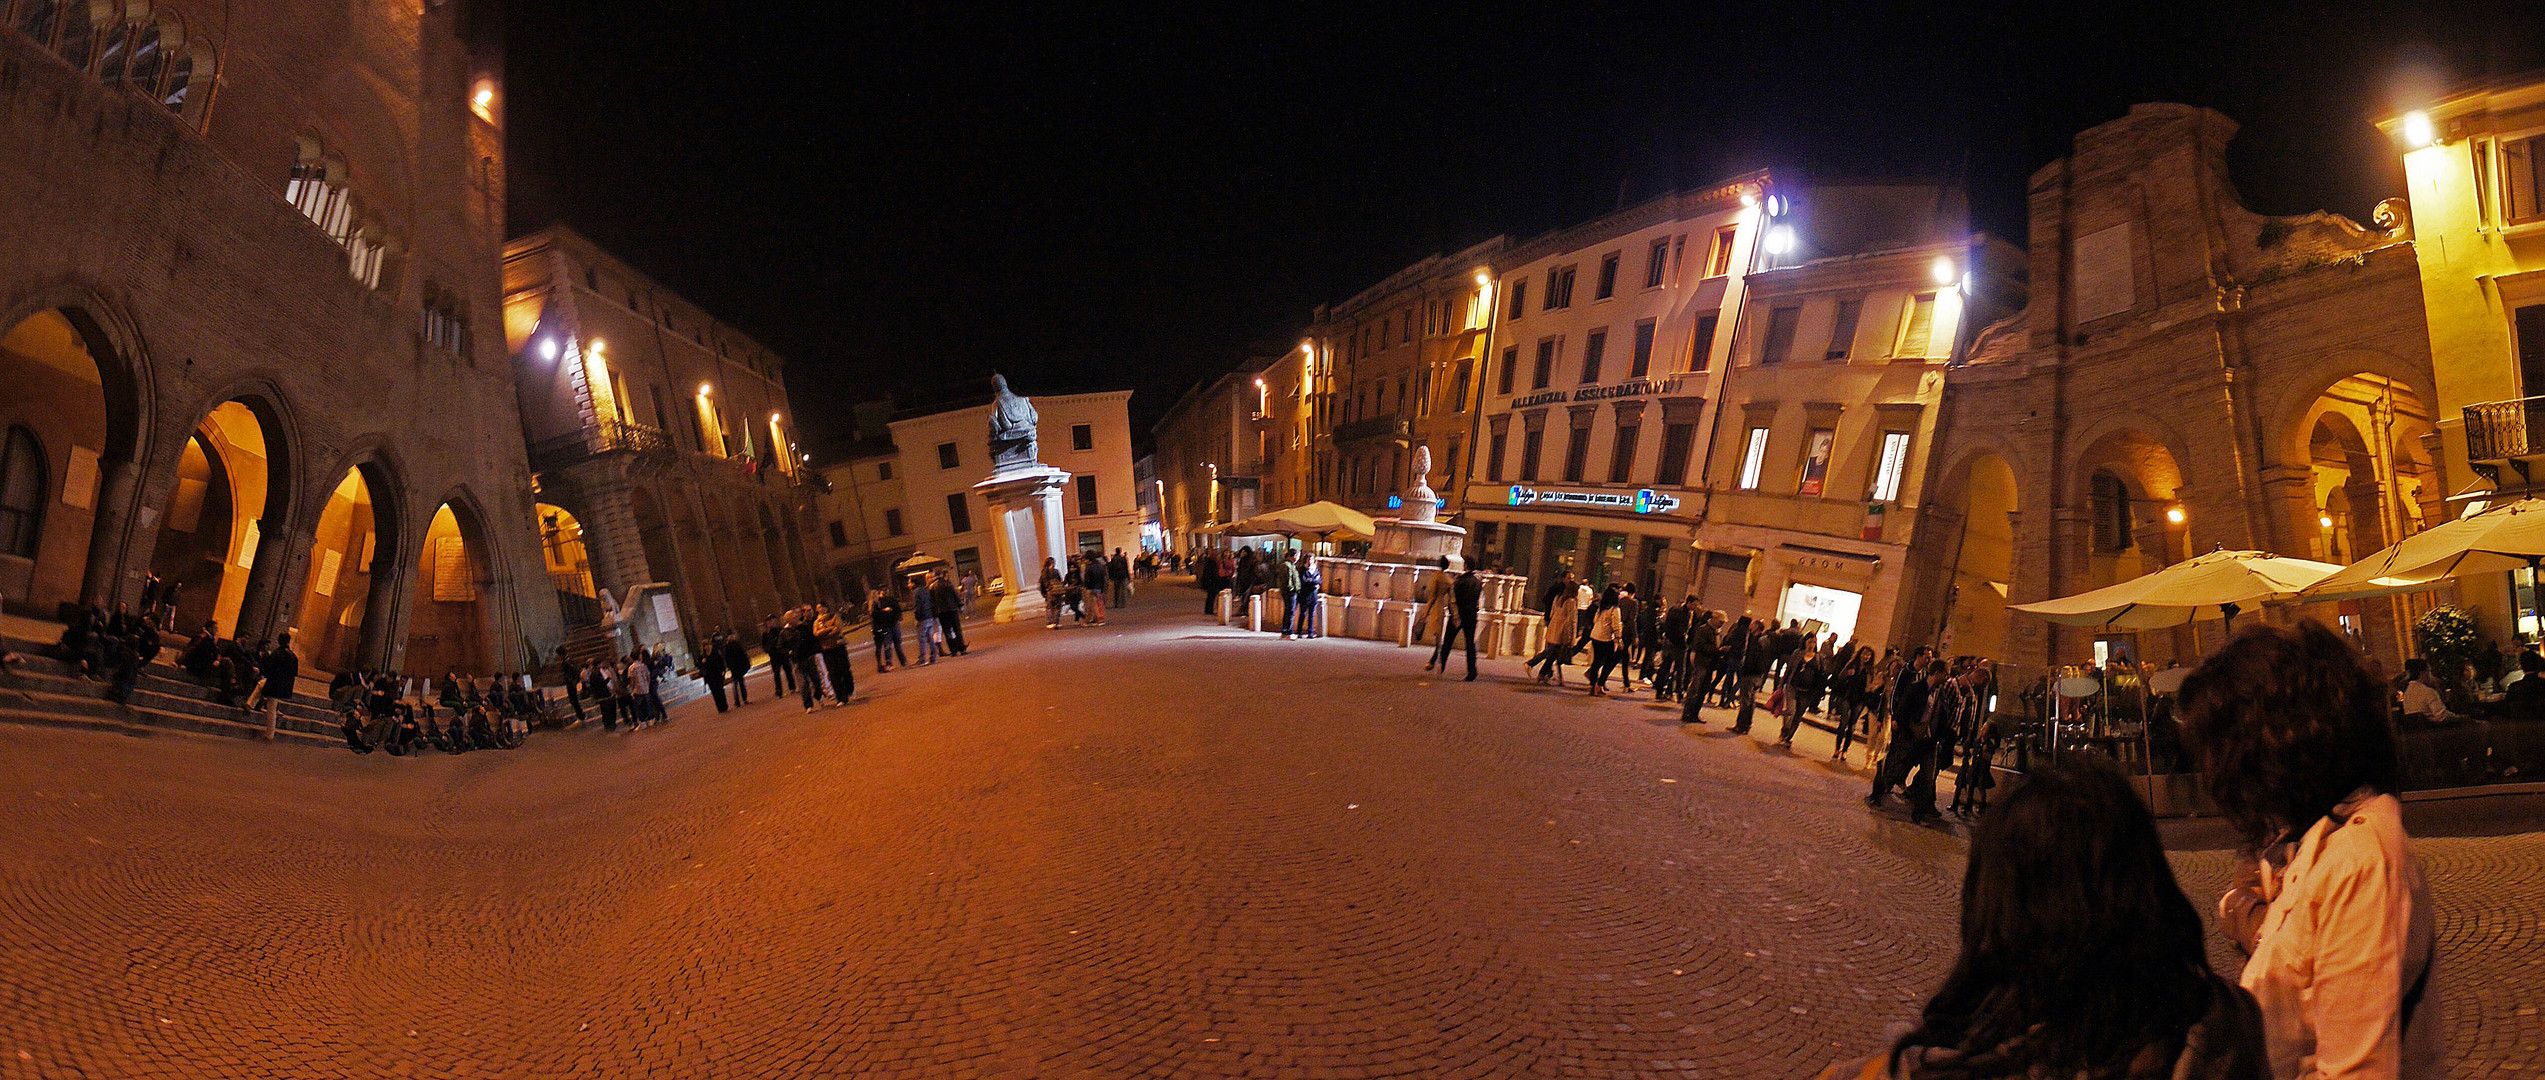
2110, 507
1781, 324
1842, 337
1920, 324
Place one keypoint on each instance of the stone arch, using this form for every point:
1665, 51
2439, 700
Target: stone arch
1980, 499
461, 592
354, 592
2290, 395
2149, 527
238, 457
88, 534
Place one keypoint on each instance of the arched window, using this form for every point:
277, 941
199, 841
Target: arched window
2110, 508
22, 477
180, 93
37, 19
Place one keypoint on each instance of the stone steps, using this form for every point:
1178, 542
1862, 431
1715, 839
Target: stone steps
21, 706
41, 689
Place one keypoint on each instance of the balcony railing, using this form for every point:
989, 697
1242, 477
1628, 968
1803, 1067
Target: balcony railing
606, 437
2501, 430
1378, 429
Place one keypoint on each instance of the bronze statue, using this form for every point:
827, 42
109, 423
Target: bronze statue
1012, 422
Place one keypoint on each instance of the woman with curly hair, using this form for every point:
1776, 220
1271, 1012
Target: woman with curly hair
2296, 746
2080, 957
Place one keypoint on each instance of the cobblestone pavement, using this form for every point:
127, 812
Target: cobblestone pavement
1161, 848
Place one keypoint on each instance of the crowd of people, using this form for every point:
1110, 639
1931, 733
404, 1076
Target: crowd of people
1247, 573
1084, 587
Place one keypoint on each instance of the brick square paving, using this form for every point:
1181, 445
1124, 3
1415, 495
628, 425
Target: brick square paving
1160, 848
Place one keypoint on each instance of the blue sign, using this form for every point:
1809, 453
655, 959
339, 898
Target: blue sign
1645, 501
1396, 502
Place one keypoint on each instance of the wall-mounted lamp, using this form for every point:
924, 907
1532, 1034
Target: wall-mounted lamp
2418, 131
2174, 514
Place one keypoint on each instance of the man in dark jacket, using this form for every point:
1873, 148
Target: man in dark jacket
1118, 571
1630, 616
1467, 596
1758, 652
1910, 734
781, 660
711, 668
1670, 652
949, 605
279, 671
737, 665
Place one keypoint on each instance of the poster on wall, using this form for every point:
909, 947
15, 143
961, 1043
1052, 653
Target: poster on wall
451, 581
79, 480
325, 585
247, 545
666, 617
1816, 462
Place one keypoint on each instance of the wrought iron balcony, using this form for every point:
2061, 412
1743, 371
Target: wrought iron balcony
1378, 429
2505, 430
606, 437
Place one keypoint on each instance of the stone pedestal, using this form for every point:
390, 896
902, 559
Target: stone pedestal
1025, 526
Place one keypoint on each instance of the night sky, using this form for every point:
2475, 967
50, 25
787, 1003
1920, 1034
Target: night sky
900, 201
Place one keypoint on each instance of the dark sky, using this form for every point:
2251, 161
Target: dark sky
899, 201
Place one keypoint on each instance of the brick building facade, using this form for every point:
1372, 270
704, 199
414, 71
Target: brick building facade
251, 271
663, 443
2188, 375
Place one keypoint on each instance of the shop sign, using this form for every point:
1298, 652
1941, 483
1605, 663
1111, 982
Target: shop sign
1645, 501
1629, 389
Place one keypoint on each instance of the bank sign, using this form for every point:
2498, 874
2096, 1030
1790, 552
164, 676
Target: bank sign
1646, 501
1666, 384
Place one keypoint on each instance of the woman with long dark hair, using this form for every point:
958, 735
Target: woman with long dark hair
2080, 957
2296, 746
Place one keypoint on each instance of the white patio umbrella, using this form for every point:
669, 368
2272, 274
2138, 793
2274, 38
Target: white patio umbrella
2507, 537
2212, 586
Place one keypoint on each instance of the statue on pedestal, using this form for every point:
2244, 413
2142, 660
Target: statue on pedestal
1012, 426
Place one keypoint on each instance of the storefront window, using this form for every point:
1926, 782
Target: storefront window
1823, 610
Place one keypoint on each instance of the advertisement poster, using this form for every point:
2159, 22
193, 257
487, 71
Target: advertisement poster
1816, 463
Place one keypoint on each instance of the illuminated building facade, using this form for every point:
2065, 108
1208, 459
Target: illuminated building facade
1607, 345
1406, 359
663, 446
2474, 163
1829, 403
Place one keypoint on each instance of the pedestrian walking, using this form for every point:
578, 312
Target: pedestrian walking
1092, 575
1285, 580
711, 668
2080, 956
279, 672
1608, 636
1703, 657
1465, 595
1562, 621
2295, 745
1439, 602
1630, 620
805, 651
1756, 656
1803, 692
1912, 740
1847, 697
1118, 572
1052, 584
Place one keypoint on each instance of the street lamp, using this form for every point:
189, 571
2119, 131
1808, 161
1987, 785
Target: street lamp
2418, 131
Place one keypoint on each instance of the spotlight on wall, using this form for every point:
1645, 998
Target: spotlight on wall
2174, 514
1483, 279
547, 348
1943, 270
2418, 132
2325, 520
705, 389
1779, 239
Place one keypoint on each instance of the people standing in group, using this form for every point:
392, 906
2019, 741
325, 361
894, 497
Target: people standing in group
1735, 642
2294, 743
1311, 587
2080, 956
596, 687
1284, 579
923, 617
639, 680
1757, 655
1803, 691
883, 621
1093, 574
805, 650
1912, 735
1118, 574
949, 604
781, 663
830, 638
1466, 595
1563, 629
1053, 581
1847, 698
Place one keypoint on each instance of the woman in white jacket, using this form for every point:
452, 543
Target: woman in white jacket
2297, 749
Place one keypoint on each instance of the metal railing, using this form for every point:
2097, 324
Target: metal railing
579, 610
2501, 430
608, 436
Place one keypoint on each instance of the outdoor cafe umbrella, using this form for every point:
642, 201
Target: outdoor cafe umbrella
2496, 541
2213, 586
1320, 520
919, 562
